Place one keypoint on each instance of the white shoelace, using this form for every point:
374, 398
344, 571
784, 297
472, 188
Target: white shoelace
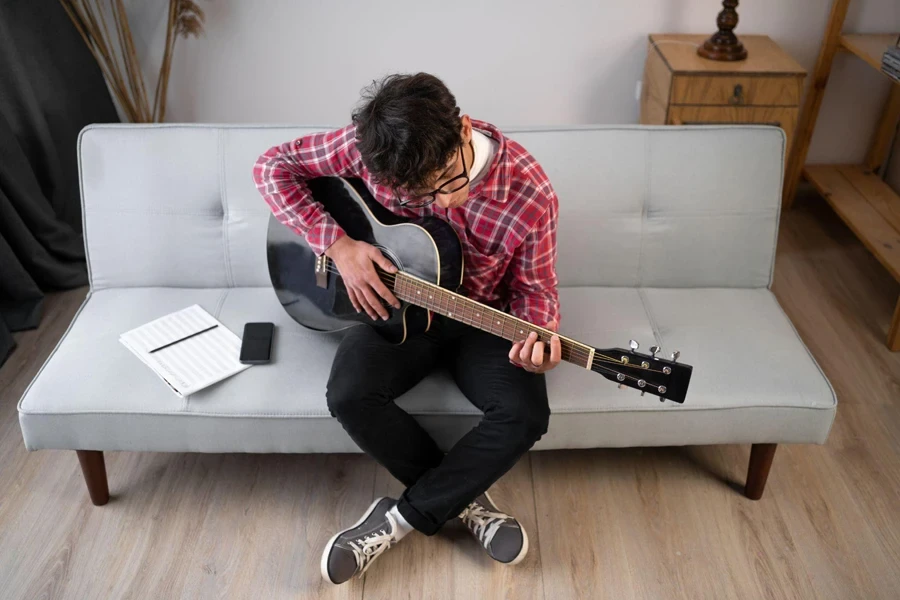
483, 523
368, 548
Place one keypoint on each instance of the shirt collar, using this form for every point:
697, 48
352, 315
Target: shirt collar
495, 183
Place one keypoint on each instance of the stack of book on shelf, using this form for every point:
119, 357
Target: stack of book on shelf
890, 63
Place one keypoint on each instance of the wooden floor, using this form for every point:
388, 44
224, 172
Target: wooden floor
636, 523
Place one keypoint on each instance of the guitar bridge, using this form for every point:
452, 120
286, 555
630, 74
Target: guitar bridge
321, 271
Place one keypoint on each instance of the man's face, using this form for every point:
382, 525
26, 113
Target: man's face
455, 173
457, 169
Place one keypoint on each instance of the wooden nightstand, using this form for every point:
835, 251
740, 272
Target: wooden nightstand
681, 88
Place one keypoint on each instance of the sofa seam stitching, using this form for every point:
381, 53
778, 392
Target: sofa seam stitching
834, 399
778, 207
53, 353
510, 128
660, 213
653, 326
87, 254
223, 198
156, 213
644, 209
324, 415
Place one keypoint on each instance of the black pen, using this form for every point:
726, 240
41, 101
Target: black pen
184, 338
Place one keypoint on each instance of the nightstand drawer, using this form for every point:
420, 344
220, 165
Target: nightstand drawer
735, 90
779, 116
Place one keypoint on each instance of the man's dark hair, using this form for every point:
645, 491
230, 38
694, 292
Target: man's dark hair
407, 128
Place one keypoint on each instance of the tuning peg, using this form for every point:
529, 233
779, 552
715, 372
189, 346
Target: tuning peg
622, 386
675, 356
634, 345
654, 350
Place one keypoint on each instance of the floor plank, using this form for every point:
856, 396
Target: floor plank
622, 523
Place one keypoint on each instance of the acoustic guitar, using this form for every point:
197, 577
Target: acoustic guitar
429, 260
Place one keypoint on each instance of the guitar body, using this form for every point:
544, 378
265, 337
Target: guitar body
313, 293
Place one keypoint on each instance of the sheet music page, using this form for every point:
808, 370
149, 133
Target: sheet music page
191, 364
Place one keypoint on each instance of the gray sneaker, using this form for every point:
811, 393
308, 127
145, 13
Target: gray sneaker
351, 551
501, 535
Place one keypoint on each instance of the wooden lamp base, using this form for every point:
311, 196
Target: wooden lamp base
724, 45
720, 47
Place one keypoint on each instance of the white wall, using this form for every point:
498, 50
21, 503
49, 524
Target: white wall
512, 62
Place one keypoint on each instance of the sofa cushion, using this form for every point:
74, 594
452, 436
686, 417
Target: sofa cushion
753, 379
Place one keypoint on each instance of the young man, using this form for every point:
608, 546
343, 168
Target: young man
418, 156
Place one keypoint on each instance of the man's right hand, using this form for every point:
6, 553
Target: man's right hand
354, 261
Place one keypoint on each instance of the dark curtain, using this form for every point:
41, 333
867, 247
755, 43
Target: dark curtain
50, 88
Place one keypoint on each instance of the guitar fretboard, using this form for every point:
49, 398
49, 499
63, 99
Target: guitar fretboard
444, 302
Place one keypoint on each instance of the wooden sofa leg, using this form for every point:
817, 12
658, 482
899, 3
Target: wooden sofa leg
94, 469
761, 456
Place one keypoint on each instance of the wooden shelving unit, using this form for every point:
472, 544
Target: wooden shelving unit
868, 46
866, 204
857, 193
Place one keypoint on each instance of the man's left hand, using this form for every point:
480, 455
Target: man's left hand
530, 354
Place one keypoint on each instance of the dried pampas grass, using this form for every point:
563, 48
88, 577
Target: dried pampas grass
116, 55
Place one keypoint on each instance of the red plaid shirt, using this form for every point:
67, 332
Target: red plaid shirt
507, 227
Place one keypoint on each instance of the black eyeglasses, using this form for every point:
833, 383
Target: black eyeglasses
448, 187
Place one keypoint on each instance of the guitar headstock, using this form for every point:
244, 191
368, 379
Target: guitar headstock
665, 378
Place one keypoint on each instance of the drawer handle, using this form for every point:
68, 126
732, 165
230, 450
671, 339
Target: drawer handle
738, 97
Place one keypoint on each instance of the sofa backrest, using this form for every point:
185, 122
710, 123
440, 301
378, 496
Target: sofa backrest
175, 205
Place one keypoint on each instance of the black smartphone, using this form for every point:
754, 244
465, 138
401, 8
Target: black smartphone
256, 345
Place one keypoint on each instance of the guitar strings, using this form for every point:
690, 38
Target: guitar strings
574, 351
391, 279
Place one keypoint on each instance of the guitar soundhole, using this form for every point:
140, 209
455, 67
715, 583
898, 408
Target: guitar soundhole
391, 256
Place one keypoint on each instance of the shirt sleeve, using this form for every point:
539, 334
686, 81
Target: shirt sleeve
532, 273
281, 172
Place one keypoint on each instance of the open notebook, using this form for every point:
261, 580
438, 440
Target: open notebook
191, 364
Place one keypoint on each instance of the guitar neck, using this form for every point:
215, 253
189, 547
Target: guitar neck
413, 290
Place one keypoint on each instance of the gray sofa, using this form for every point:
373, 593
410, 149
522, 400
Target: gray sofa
667, 235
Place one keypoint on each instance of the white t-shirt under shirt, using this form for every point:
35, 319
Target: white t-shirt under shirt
485, 149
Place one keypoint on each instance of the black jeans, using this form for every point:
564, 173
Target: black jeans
369, 373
